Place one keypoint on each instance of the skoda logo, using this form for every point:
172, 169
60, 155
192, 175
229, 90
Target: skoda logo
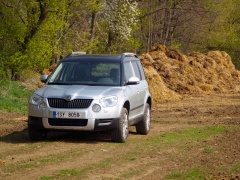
68, 98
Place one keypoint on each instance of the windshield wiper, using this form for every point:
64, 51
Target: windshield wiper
72, 83
59, 83
85, 84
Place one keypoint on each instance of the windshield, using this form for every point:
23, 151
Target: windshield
82, 73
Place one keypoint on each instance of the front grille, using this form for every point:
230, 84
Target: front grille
67, 122
74, 104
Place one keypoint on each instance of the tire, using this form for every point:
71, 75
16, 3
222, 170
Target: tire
120, 134
36, 134
143, 127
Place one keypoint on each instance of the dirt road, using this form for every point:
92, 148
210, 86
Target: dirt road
195, 138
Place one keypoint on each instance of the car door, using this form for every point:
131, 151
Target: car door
141, 87
131, 90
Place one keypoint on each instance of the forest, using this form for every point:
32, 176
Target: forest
190, 52
37, 33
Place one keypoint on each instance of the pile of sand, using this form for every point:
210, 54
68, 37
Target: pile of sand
171, 74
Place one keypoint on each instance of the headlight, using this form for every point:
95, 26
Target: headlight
42, 106
38, 101
109, 101
35, 99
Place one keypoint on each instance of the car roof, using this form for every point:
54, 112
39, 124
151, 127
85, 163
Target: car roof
99, 57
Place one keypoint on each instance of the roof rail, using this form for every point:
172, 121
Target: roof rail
76, 53
129, 54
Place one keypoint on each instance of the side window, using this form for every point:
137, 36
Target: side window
141, 70
136, 69
128, 70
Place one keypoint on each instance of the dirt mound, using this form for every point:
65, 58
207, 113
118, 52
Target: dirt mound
157, 87
50, 70
171, 74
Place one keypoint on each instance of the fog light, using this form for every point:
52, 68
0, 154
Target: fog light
42, 106
96, 108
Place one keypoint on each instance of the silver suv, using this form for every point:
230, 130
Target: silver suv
92, 93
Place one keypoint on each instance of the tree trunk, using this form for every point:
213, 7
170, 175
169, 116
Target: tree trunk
14, 75
92, 30
41, 18
109, 44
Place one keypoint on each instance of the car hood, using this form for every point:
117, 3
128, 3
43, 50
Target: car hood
77, 91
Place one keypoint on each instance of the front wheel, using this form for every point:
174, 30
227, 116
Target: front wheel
143, 127
36, 134
120, 134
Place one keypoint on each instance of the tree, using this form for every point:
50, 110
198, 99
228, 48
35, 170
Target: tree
223, 33
170, 23
34, 33
119, 18
34, 29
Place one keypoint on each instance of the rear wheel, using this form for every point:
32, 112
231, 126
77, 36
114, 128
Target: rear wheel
143, 127
36, 134
120, 134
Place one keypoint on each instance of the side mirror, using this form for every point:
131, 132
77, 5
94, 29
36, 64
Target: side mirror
44, 78
133, 80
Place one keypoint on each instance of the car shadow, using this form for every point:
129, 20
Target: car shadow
21, 136
71, 137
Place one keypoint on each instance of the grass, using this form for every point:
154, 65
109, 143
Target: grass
132, 173
36, 146
62, 174
193, 134
138, 151
14, 97
105, 164
208, 150
234, 169
44, 160
201, 174
188, 175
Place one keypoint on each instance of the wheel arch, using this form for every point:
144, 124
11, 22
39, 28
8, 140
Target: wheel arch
127, 105
149, 101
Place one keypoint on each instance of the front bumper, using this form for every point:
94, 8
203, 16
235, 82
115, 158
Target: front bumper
74, 119
73, 124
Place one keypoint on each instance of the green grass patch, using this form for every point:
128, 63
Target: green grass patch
234, 169
46, 160
68, 172
62, 174
208, 150
83, 172
36, 146
192, 134
132, 174
189, 175
14, 97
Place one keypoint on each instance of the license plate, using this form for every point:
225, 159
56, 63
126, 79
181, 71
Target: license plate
57, 114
